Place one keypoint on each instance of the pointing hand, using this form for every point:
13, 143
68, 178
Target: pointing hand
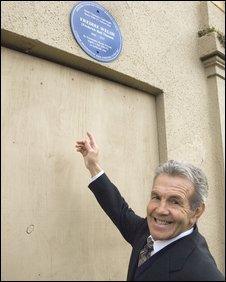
90, 152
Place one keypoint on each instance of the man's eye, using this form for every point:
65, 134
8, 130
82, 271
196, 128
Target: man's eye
175, 202
155, 197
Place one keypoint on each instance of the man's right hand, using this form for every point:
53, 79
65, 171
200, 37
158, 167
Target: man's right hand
90, 152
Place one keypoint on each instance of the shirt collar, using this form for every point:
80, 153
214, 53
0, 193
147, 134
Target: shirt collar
160, 244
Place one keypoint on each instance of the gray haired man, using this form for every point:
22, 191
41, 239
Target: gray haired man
166, 245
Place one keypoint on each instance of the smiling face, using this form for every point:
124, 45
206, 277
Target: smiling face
169, 212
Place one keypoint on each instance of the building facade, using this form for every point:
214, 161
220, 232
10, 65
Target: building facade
162, 98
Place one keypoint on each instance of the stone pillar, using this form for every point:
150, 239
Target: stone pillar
212, 55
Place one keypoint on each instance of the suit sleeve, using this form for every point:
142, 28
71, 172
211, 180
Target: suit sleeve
116, 207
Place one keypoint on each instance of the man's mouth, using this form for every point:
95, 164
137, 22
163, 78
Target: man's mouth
162, 222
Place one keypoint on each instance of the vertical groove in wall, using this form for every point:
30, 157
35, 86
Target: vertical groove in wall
161, 127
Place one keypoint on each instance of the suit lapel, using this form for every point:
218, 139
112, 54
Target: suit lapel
171, 258
182, 250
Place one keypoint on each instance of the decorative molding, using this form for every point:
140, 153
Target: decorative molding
211, 53
220, 35
214, 66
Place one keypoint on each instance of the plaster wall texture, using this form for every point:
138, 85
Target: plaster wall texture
161, 49
53, 227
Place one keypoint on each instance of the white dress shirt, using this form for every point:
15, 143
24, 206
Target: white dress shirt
160, 244
96, 176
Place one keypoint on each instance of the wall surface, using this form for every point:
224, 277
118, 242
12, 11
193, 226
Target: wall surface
53, 228
161, 55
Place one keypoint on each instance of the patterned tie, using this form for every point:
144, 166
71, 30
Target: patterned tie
145, 253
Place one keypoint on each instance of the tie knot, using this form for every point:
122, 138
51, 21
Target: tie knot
150, 242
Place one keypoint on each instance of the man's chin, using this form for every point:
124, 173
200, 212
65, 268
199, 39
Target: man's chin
161, 233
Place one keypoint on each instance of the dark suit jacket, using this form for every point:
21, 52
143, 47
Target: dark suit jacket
187, 259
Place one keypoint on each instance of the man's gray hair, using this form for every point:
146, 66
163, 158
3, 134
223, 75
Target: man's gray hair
192, 173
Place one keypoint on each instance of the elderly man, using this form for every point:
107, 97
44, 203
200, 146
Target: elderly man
166, 245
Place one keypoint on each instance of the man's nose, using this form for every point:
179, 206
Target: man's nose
162, 208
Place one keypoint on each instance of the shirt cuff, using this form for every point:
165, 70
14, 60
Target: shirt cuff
96, 176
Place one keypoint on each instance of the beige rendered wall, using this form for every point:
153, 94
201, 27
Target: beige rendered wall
53, 228
160, 54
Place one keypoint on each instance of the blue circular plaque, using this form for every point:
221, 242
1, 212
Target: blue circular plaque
96, 31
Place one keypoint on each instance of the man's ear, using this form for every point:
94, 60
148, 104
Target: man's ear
199, 210
197, 213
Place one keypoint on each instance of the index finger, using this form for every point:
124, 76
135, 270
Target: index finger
91, 138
